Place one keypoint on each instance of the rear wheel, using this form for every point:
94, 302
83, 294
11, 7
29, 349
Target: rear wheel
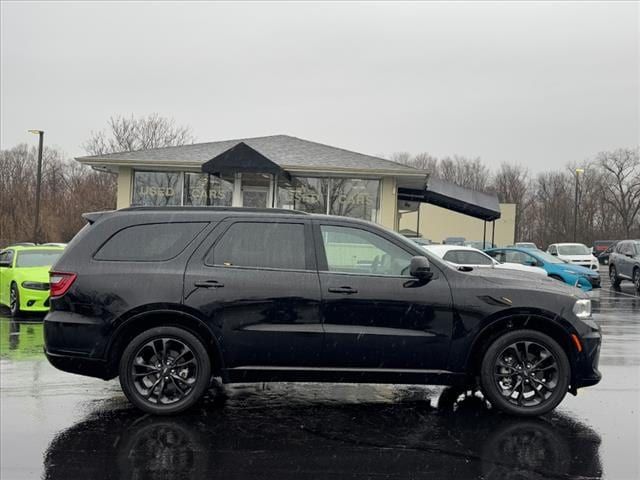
525, 372
613, 276
165, 370
14, 300
636, 278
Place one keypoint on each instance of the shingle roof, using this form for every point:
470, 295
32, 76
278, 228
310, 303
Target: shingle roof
283, 150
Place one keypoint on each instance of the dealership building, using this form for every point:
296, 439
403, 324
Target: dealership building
281, 171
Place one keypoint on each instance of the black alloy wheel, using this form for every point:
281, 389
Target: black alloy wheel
14, 300
525, 372
613, 276
165, 370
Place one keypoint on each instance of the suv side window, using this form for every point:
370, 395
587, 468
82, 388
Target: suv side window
154, 242
620, 247
353, 250
261, 245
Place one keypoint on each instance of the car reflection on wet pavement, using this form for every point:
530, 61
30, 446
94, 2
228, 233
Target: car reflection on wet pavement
62, 426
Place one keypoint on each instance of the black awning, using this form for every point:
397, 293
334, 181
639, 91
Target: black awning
484, 206
241, 158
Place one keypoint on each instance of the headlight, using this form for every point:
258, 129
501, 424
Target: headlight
35, 285
582, 308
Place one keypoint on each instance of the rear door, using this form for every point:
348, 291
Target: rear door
377, 317
256, 282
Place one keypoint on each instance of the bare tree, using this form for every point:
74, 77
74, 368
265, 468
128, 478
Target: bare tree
512, 185
125, 134
621, 184
464, 172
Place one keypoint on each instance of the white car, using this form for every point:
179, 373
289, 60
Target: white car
459, 256
574, 253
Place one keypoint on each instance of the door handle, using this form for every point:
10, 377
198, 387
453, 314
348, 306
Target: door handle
209, 284
346, 290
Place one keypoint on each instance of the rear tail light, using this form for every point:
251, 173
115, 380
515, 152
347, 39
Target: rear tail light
60, 282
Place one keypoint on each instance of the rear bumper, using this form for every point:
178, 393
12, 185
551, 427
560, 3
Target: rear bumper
89, 367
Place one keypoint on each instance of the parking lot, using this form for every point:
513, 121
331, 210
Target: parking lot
61, 426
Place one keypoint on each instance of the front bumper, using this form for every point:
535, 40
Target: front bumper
34, 300
586, 371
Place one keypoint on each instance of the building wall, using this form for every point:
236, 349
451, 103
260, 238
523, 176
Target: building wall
388, 203
438, 223
123, 199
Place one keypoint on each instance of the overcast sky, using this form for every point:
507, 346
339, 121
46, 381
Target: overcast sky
537, 83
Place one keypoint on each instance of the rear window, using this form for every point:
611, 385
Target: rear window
154, 242
261, 245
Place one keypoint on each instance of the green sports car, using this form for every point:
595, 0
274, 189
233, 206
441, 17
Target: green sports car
24, 277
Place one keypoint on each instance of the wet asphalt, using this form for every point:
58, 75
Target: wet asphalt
61, 426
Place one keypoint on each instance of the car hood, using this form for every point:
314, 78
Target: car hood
580, 258
577, 269
523, 280
33, 274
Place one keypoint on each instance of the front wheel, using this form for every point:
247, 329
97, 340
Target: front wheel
14, 300
636, 279
613, 276
525, 372
165, 370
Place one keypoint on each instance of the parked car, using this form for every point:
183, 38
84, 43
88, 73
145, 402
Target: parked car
526, 245
574, 253
24, 277
421, 241
166, 298
465, 257
624, 263
600, 246
556, 268
454, 241
603, 257
479, 244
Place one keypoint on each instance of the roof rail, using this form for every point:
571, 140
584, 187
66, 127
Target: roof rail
210, 208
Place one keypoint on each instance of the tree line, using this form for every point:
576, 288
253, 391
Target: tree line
608, 203
608, 194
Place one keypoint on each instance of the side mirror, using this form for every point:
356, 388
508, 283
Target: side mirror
420, 268
531, 263
555, 254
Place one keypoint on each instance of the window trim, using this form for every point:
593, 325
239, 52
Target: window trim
227, 224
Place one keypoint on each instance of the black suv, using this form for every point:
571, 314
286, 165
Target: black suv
169, 298
624, 263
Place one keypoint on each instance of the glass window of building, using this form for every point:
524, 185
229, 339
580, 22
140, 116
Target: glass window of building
256, 188
353, 197
307, 194
195, 189
157, 189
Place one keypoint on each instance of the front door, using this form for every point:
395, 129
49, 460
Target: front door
376, 316
257, 284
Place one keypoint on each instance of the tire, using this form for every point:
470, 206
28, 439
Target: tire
513, 392
165, 370
613, 276
14, 301
636, 278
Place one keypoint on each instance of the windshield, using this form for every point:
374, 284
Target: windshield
37, 258
548, 258
575, 249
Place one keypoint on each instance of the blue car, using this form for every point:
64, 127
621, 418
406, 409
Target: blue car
581, 277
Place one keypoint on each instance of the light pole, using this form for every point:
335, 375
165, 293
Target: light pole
36, 226
575, 205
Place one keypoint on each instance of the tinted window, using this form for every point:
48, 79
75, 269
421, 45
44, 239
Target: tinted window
261, 245
149, 243
466, 257
351, 250
37, 258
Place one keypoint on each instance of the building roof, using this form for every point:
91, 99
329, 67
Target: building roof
285, 151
